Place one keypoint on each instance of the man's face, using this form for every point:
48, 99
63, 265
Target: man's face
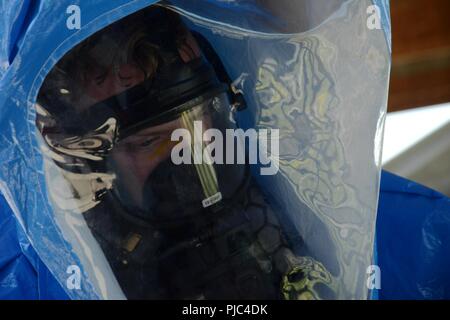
134, 158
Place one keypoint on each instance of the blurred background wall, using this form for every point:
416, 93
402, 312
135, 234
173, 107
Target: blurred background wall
421, 53
417, 133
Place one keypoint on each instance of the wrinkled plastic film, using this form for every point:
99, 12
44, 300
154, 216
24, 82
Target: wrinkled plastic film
314, 71
304, 91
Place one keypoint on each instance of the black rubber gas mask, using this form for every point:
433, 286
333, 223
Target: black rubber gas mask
194, 169
175, 153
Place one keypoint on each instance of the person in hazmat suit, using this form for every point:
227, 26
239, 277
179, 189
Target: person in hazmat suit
176, 218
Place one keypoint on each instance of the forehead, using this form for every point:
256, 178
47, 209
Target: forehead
103, 83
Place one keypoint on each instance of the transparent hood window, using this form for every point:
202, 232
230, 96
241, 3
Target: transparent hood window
222, 151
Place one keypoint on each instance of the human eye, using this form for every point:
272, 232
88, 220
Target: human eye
100, 76
147, 142
138, 145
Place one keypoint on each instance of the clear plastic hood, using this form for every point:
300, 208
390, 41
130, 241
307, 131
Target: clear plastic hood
222, 150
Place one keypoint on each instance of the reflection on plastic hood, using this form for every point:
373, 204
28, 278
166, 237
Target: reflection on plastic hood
87, 148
